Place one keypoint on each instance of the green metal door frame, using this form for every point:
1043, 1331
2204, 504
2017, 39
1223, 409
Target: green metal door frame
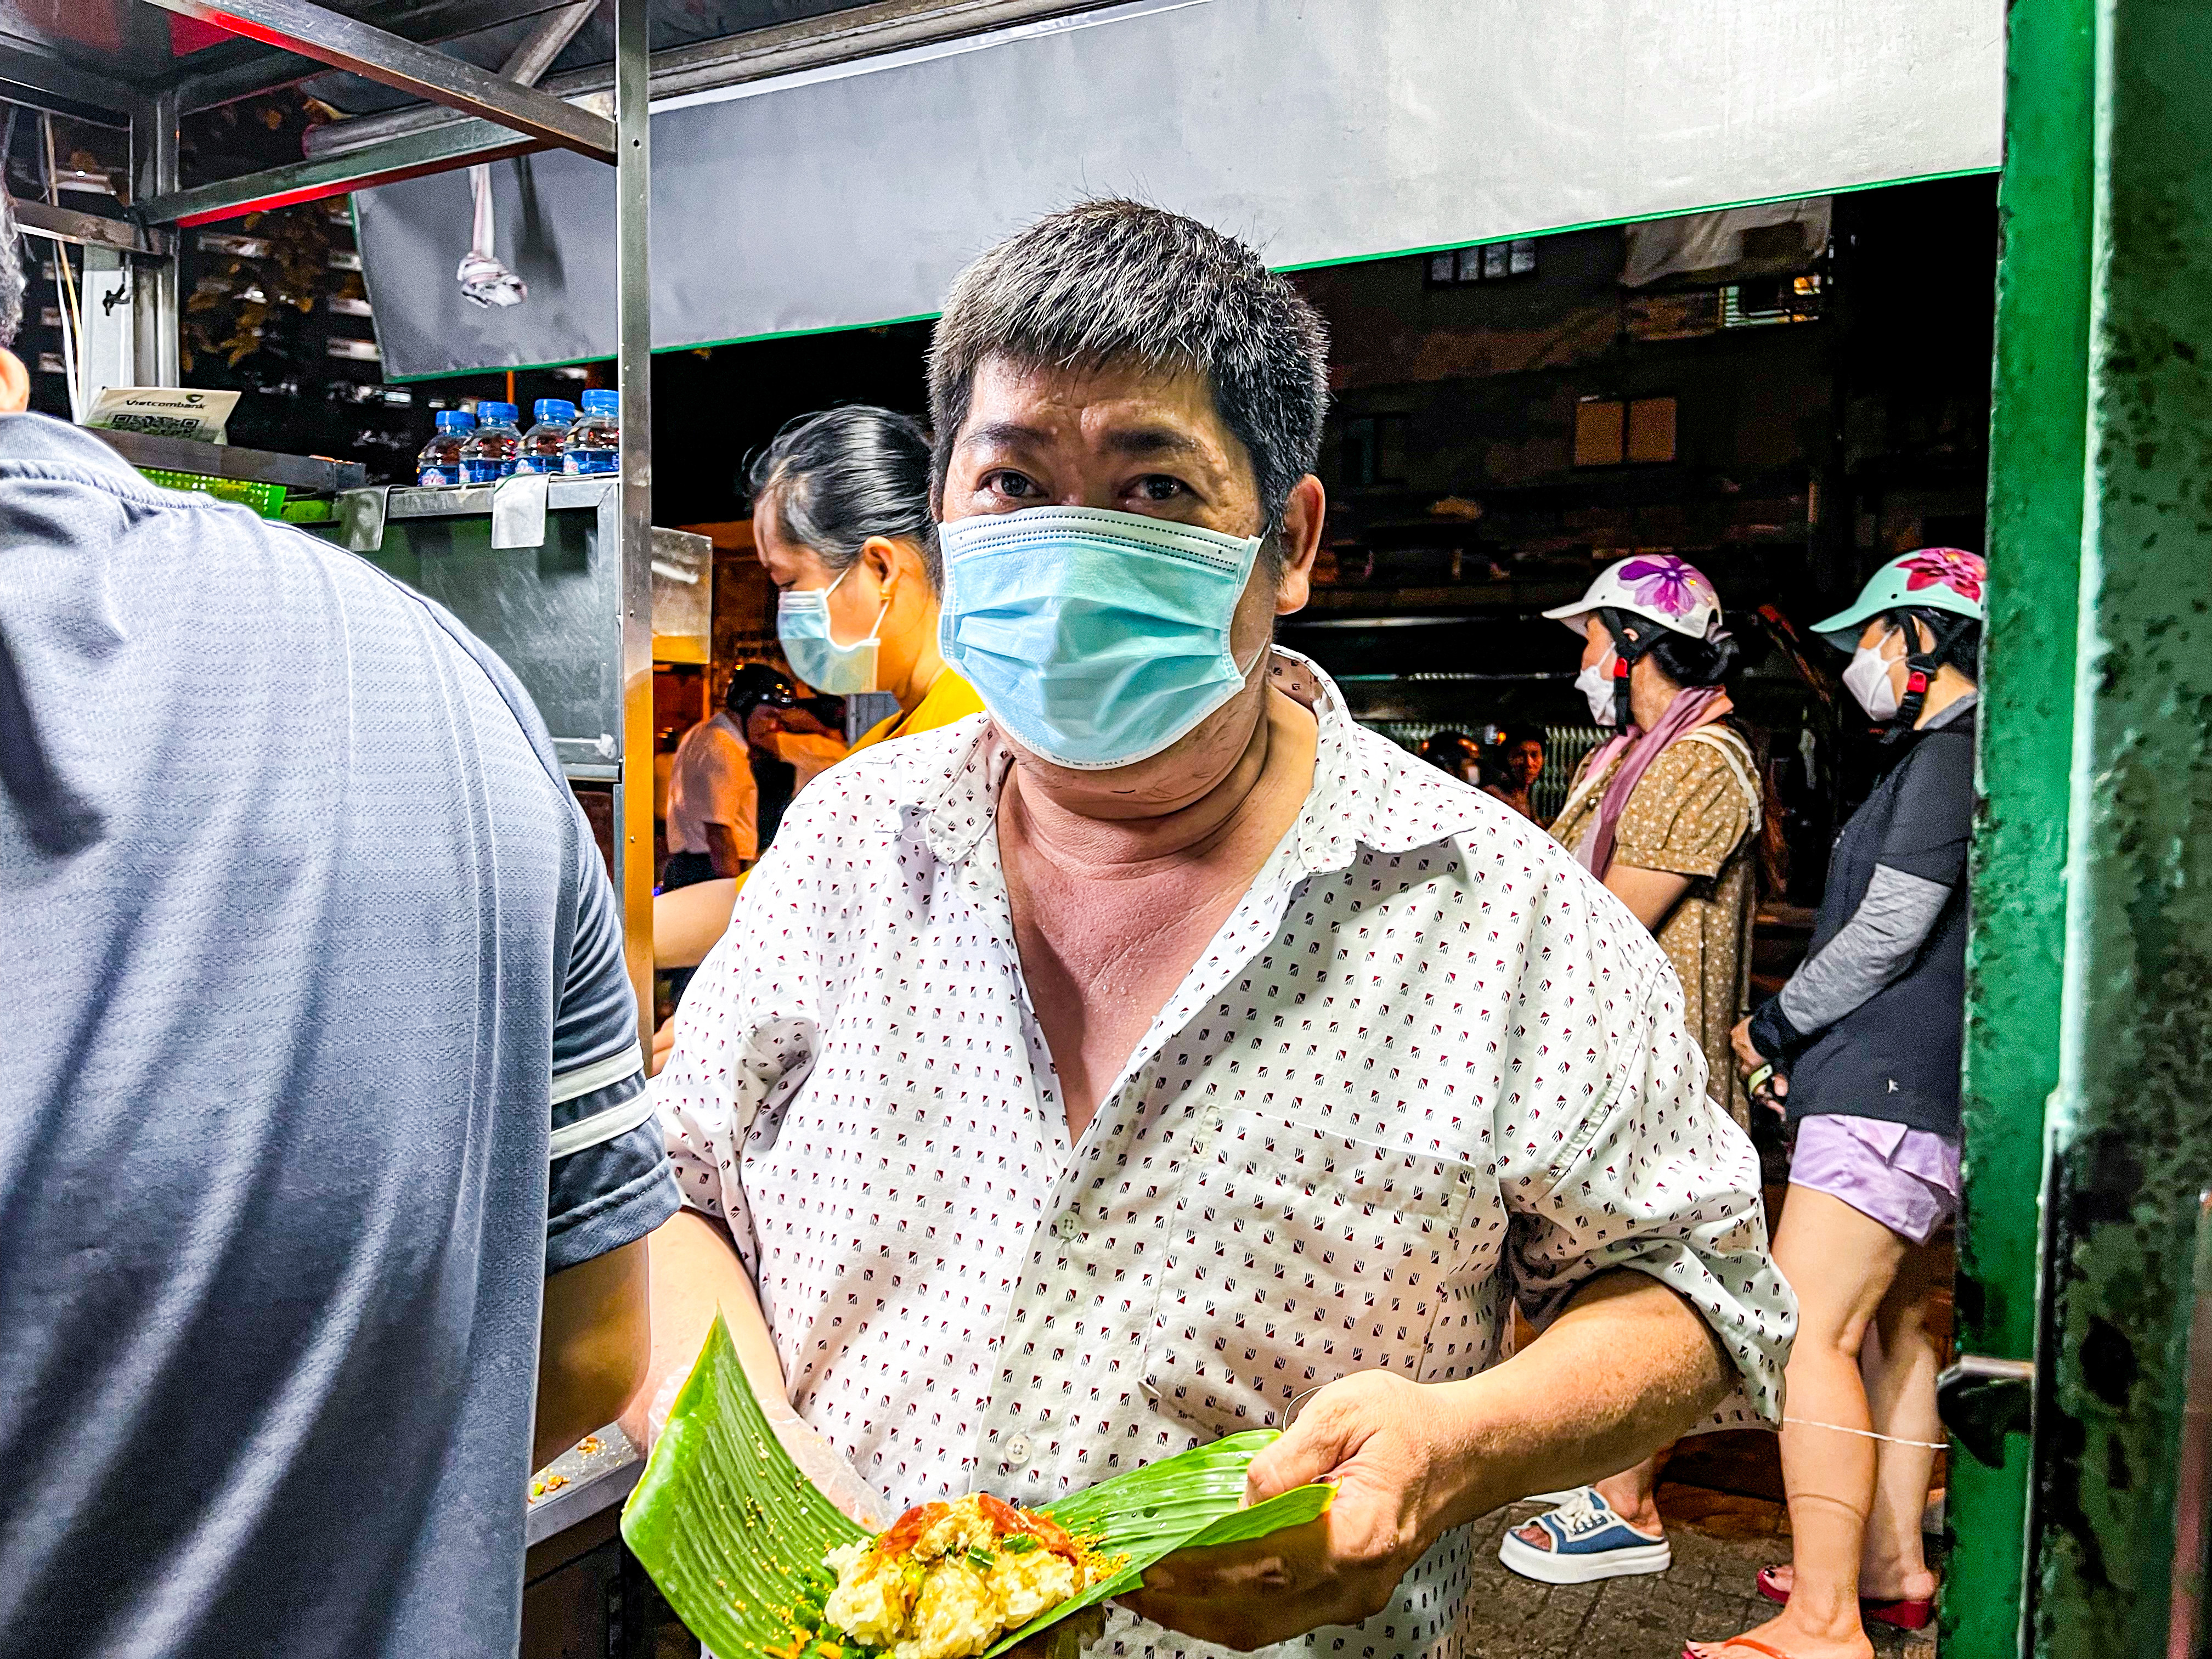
2016, 953
2130, 1126
2091, 962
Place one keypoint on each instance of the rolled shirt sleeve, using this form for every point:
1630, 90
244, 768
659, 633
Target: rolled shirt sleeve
1657, 1177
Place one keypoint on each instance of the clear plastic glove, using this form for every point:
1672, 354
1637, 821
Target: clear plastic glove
818, 1460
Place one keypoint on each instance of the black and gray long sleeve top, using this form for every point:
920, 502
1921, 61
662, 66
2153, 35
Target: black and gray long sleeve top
1873, 1021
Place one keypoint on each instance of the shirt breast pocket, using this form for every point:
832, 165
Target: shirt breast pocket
1297, 1255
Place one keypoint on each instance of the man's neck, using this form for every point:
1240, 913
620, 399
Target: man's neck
1276, 760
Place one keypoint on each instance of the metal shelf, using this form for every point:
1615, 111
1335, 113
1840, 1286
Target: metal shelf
308, 474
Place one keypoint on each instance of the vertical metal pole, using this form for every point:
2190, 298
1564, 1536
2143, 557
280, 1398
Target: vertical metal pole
633, 203
154, 173
2130, 1124
2015, 956
109, 349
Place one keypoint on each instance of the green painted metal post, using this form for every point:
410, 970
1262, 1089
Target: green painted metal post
2015, 956
2130, 1126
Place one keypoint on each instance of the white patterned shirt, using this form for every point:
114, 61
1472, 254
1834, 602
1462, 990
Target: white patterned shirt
1428, 1062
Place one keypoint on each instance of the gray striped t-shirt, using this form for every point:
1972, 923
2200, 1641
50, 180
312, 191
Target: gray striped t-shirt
316, 1056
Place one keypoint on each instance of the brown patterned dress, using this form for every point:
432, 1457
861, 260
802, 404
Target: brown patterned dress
1694, 813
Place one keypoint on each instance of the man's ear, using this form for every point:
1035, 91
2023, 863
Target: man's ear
14, 383
1305, 516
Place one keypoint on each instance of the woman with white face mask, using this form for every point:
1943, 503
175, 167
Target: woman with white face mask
842, 524
1861, 1049
1668, 813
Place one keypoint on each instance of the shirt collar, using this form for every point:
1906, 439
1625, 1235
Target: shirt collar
1959, 710
1366, 791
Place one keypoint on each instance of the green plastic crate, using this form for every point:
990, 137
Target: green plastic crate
266, 499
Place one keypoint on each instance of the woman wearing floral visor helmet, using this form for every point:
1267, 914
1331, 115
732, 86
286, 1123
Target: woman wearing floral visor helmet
1860, 1048
1671, 814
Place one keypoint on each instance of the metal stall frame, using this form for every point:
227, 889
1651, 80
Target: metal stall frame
468, 115
142, 249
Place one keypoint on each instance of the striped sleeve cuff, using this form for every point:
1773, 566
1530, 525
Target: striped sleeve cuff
605, 1099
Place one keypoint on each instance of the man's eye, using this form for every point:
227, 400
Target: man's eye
1160, 488
1009, 484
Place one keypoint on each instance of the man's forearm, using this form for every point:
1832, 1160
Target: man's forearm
1628, 1367
691, 921
695, 1271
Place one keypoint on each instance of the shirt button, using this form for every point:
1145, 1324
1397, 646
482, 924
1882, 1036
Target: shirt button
1017, 1448
1067, 1226
1213, 1120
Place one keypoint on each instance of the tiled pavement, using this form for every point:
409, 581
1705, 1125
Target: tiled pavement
1719, 1544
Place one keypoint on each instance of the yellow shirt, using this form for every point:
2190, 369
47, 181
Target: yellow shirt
949, 698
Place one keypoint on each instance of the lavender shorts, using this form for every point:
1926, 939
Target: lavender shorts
1907, 1179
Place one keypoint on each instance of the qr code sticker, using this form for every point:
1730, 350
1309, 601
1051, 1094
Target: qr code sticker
159, 426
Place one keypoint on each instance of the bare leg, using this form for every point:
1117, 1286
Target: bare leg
1634, 1493
1841, 1263
1901, 1396
1898, 1361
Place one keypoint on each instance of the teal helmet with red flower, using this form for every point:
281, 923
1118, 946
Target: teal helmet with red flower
1938, 589
1927, 579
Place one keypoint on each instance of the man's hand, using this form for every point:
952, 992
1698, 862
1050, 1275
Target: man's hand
722, 850
1390, 1453
1627, 1367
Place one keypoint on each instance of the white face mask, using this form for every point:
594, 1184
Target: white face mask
1595, 683
1868, 679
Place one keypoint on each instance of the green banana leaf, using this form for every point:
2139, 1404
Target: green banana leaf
734, 1534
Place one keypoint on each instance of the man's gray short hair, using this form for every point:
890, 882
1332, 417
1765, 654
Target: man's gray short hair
11, 272
1109, 282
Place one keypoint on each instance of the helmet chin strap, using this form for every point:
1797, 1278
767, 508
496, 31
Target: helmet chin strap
1631, 639
1921, 667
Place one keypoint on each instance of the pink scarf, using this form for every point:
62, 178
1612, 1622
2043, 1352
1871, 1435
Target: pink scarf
1692, 707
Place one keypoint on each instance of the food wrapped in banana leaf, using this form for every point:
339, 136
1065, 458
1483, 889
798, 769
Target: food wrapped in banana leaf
757, 1562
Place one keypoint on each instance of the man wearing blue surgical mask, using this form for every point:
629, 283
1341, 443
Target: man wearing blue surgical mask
1160, 1055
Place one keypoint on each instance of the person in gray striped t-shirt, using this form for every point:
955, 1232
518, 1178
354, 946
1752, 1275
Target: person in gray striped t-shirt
318, 1078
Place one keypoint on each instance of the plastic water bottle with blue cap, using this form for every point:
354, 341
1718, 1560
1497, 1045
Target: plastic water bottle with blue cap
594, 443
490, 454
544, 444
439, 466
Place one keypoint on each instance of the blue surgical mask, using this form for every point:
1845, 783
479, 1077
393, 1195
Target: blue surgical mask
802, 623
1095, 638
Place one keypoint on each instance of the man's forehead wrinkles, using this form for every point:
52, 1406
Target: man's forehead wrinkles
1152, 440
1006, 432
